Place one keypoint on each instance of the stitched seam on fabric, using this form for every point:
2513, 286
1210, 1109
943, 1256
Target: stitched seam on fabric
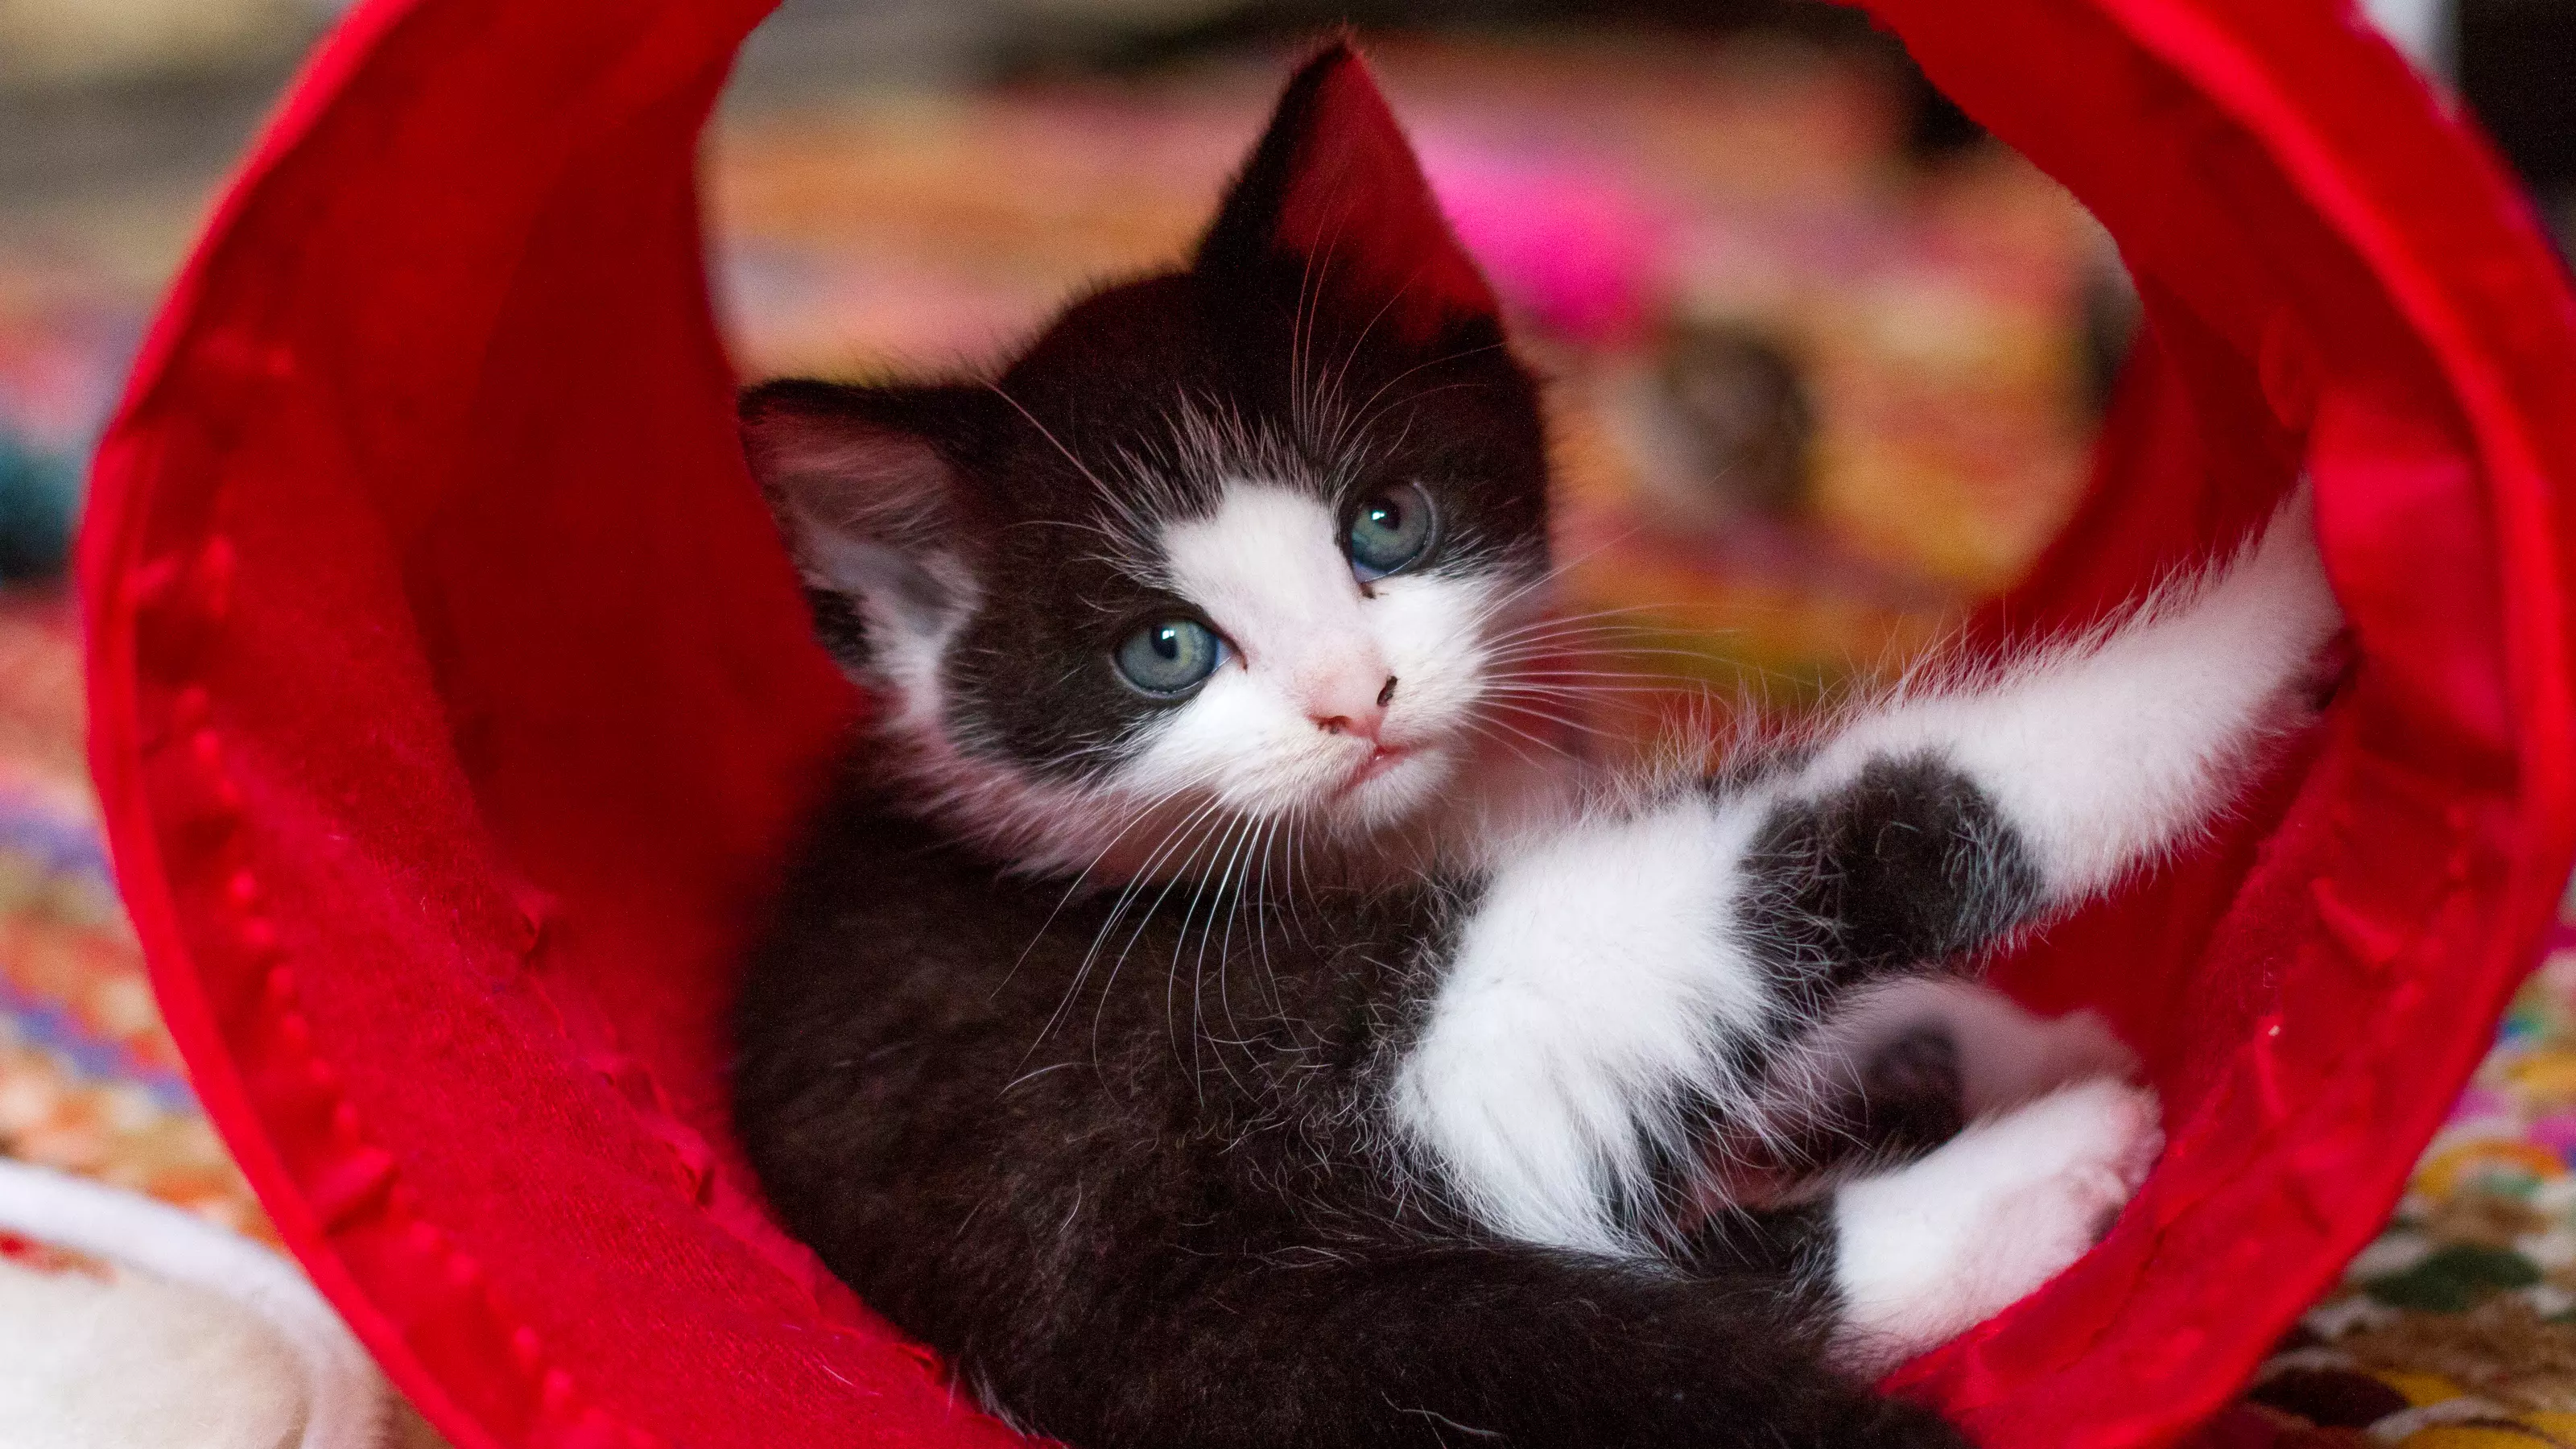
561, 1409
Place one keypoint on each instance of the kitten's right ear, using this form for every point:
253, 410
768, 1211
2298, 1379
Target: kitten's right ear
1335, 192
871, 510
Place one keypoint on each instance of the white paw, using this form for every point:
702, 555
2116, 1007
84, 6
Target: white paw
1948, 1241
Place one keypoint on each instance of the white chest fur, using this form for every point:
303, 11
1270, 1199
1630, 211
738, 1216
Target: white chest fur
1595, 977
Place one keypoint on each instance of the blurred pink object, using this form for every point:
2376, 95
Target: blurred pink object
1576, 252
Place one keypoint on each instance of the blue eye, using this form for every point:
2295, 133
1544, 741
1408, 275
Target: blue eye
1169, 658
1390, 532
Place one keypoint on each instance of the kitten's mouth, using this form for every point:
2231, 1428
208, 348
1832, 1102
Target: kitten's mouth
1382, 762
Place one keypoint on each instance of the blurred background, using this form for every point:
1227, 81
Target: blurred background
1826, 359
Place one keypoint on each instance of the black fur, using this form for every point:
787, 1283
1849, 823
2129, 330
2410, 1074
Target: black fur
1143, 1199
1908, 864
1123, 1242
1912, 1097
1908, 867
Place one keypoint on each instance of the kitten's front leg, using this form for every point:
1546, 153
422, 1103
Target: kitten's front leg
1622, 985
1949, 815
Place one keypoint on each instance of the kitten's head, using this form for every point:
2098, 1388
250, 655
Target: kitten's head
1233, 545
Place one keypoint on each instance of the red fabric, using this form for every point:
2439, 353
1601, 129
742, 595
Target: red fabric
450, 699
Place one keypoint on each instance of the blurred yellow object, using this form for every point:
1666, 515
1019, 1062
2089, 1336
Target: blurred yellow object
2420, 1388
2477, 1436
2546, 1075
2441, 1173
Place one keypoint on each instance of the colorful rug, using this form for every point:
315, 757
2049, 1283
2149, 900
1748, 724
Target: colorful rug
89, 1082
2456, 1329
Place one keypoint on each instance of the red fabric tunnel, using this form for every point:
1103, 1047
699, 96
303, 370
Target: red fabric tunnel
451, 700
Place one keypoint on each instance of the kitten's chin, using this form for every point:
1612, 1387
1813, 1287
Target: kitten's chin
1392, 790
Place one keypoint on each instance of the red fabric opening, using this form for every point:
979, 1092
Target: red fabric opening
450, 699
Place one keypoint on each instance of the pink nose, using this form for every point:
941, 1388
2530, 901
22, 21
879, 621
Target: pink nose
1348, 717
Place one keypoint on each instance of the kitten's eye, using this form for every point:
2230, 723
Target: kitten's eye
1170, 658
1390, 532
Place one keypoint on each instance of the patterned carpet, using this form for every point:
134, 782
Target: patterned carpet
89, 1081
2457, 1328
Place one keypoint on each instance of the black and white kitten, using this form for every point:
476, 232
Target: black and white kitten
1198, 1018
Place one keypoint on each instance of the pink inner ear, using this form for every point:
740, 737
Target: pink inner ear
1357, 200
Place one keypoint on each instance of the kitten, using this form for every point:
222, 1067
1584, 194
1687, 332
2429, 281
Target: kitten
1203, 1017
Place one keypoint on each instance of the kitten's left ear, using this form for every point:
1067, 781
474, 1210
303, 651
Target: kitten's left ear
873, 512
1334, 200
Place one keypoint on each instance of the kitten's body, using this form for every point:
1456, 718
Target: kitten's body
1204, 1020
1177, 1218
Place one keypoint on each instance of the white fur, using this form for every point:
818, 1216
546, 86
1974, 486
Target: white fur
1306, 643
1595, 976
1309, 644
2107, 753
1948, 1241
909, 646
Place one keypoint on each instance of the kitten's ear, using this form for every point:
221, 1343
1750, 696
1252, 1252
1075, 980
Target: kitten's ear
1334, 191
871, 510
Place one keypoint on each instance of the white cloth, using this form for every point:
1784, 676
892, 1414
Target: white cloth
189, 1336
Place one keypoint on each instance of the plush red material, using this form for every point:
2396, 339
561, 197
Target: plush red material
450, 699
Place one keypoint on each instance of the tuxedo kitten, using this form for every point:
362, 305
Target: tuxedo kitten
1208, 1017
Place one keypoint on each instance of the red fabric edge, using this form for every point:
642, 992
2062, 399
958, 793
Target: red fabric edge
2260, 89
544, 1401
107, 556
